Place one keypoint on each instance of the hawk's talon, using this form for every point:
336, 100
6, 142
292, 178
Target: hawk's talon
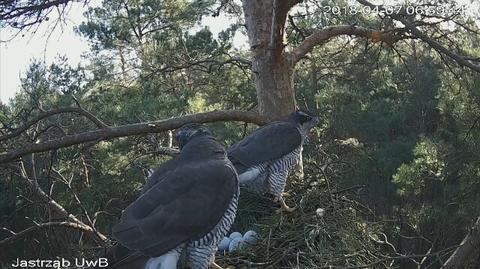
215, 266
284, 206
278, 199
286, 209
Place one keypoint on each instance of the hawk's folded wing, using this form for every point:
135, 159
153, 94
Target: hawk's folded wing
185, 205
268, 143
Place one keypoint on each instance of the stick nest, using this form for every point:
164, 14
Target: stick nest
341, 238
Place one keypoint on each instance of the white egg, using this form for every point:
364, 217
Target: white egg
320, 212
235, 244
250, 237
223, 246
235, 235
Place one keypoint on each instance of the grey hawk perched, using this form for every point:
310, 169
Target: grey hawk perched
186, 208
264, 158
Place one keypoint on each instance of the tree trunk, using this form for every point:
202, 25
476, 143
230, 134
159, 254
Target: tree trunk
272, 66
274, 85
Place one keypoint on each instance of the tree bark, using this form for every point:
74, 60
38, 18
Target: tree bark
272, 66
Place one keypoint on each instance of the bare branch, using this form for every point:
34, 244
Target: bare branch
18, 235
134, 129
50, 113
208, 64
90, 116
68, 183
56, 207
26, 14
469, 245
461, 60
439, 47
477, 120
402, 257
322, 35
172, 152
